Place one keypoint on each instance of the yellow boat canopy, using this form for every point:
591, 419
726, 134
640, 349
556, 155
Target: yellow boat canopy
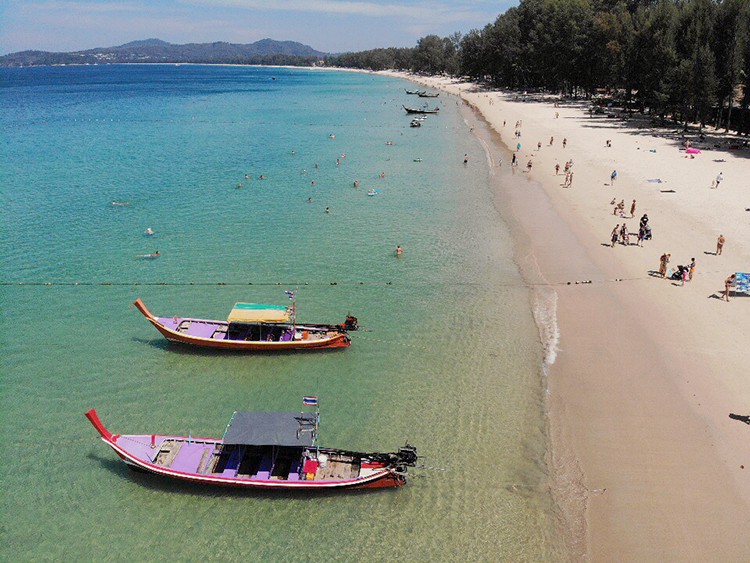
258, 313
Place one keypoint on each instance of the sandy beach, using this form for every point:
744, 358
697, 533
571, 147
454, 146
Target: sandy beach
645, 462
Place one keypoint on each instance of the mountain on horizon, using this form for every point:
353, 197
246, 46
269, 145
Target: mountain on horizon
265, 51
144, 43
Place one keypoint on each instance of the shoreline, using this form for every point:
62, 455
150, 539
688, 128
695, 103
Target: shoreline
647, 371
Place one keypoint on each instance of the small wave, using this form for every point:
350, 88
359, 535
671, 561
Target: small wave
545, 314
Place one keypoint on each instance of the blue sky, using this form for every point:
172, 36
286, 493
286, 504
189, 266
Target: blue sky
326, 25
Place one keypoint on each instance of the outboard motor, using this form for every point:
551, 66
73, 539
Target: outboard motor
407, 457
350, 324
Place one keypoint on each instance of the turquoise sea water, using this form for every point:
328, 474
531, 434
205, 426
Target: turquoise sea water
449, 359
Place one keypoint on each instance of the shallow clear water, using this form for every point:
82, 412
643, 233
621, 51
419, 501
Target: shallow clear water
449, 359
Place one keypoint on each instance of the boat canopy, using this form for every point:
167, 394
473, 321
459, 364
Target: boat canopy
258, 313
271, 429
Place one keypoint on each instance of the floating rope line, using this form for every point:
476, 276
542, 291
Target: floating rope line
336, 283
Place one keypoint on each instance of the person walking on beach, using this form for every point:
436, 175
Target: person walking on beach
663, 261
613, 176
557, 168
719, 245
539, 146
565, 142
624, 235
466, 159
632, 209
729, 282
718, 180
528, 166
513, 161
691, 269
615, 234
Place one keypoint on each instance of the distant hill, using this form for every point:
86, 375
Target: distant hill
265, 51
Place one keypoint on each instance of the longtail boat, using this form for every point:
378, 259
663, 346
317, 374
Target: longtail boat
414, 91
261, 450
426, 95
424, 110
253, 327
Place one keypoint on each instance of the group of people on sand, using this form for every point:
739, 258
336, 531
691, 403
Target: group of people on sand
620, 232
619, 208
681, 273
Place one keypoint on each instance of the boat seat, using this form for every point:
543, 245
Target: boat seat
219, 335
264, 471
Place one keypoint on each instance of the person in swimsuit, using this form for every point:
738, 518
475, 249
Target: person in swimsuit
719, 245
729, 282
615, 234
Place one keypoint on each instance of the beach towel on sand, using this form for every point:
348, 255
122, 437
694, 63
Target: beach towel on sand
742, 282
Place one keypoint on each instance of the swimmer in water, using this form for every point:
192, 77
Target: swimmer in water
399, 251
149, 231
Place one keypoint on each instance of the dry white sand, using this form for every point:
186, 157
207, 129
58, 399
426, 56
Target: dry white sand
645, 462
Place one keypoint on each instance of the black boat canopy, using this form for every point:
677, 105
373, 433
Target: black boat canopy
271, 429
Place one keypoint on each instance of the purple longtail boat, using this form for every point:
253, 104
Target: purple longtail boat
261, 450
253, 327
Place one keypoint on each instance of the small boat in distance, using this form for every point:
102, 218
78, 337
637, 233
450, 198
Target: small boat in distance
426, 95
253, 327
415, 123
260, 450
422, 110
417, 92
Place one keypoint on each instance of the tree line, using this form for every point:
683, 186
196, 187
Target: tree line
688, 60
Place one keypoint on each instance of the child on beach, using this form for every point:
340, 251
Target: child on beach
691, 268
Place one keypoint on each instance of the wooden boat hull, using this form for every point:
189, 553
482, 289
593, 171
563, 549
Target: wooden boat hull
420, 111
141, 452
213, 334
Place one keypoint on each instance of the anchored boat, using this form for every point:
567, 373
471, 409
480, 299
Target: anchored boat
423, 110
262, 450
253, 327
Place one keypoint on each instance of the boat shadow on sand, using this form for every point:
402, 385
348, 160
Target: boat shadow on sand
186, 349
157, 483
